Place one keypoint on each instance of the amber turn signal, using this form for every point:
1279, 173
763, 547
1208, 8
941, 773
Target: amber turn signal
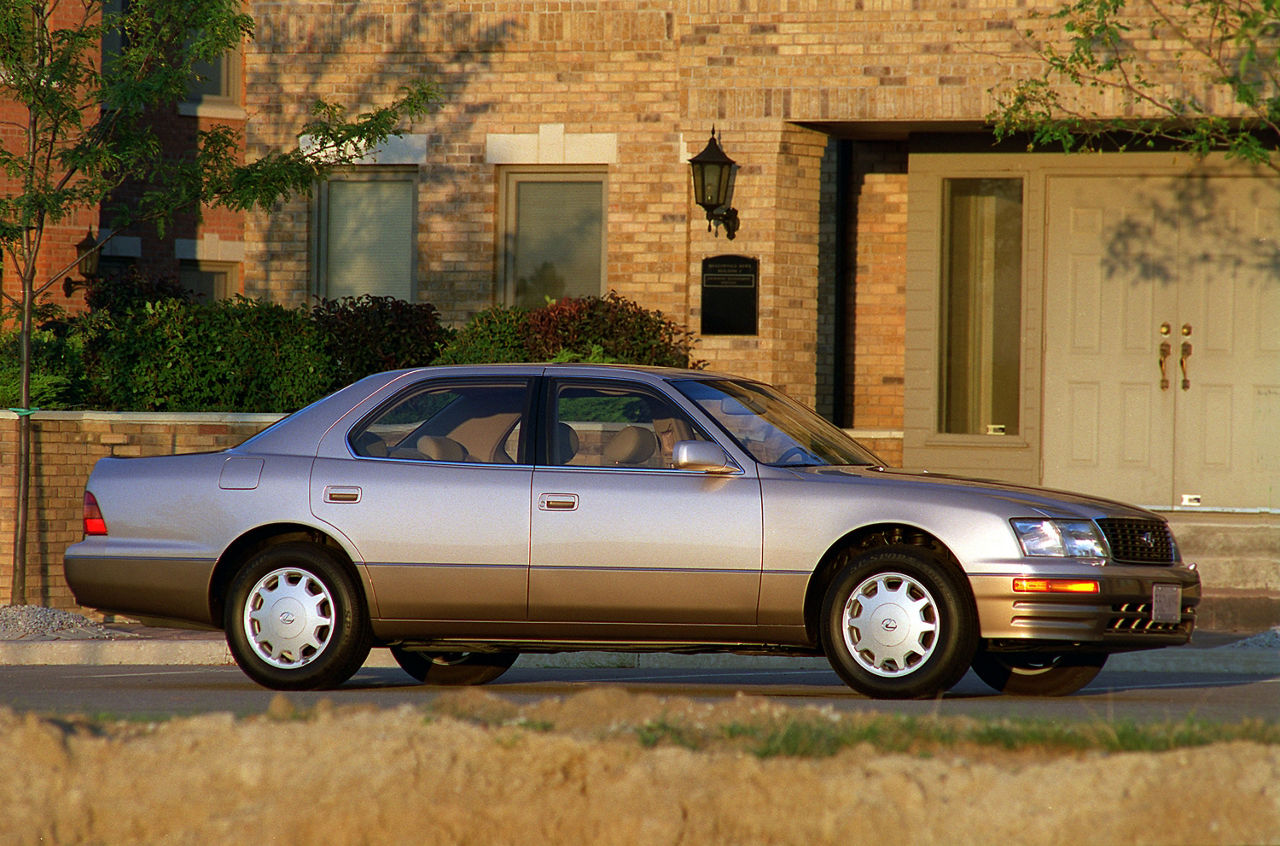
1055, 586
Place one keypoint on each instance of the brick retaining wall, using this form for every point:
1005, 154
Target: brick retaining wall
66, 445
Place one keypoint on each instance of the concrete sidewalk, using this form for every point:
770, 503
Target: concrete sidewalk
1209, 652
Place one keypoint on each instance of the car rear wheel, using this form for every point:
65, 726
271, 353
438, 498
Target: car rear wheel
897, 624
1038, 674
453, 668
295, 619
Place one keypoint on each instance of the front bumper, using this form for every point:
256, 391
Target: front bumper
1117, 618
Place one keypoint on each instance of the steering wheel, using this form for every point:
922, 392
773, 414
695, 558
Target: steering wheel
799, 452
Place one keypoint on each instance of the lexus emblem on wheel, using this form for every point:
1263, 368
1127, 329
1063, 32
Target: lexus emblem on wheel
287, 617
889, 625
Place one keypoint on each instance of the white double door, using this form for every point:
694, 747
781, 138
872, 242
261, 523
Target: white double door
1162, 339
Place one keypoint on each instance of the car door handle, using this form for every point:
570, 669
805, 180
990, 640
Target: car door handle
558, 502
341, 493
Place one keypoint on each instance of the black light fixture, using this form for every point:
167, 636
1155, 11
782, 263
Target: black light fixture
87, 250
713, 186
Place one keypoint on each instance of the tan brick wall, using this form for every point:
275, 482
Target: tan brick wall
879, 309
65, 446
657, 76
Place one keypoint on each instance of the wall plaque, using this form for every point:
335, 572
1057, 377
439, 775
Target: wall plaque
729, 286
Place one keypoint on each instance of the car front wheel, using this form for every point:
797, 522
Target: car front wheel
295, 619
453, 668
897, 624
1038, 674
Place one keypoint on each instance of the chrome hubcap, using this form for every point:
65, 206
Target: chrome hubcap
890, 624
288, 618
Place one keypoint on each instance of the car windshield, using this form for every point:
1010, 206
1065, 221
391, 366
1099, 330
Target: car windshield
772, 428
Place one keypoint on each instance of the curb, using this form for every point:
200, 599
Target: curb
212, 651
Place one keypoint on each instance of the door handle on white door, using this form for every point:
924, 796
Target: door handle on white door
1166, 350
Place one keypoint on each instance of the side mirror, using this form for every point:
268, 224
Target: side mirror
703, 456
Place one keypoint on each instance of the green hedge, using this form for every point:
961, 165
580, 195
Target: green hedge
363, 335
144, 346
58, 378
228, 355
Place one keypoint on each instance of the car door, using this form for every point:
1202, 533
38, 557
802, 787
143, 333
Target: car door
620, 536
434, 493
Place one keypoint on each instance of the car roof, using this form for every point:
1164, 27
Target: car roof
300, 432
576, 368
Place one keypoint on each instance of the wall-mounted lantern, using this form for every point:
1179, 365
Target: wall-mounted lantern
713, 186
88, 251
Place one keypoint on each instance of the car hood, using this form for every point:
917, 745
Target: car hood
1037, 501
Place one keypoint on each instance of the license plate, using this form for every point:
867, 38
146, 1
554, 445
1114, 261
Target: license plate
1166, 604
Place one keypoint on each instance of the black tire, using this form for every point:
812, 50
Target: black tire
454, 668
295, 619
1038, 674
898, 624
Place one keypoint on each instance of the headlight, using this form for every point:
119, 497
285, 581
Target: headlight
1060, 538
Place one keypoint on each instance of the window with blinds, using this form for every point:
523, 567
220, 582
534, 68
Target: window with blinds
365, 235
553, 235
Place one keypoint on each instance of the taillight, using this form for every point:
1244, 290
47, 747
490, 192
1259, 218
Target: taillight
93, 522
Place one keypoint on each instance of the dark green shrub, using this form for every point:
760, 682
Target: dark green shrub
494, 335
621, 329
128, 290
229, 355
368, 334
595, 329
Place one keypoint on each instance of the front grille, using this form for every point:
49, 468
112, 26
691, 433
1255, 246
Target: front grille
1135, 618
1136, 541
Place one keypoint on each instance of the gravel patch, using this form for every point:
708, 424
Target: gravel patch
1264, 640
35, 622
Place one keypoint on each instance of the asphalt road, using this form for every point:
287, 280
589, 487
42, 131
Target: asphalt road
151, 692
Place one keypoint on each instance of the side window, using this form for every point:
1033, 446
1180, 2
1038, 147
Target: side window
982, 307
595, 424
461, 422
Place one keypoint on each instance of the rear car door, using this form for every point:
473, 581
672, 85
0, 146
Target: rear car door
620, 536
434, 494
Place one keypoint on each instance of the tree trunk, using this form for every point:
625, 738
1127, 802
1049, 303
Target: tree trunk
18, 596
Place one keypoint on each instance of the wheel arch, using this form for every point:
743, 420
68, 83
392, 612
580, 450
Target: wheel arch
865, 539
250, 543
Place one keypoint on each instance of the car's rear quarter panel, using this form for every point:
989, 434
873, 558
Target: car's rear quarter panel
169, 521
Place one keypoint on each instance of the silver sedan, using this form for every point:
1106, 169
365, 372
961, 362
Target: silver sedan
463, 515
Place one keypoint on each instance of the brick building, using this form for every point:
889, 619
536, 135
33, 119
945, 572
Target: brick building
961, 307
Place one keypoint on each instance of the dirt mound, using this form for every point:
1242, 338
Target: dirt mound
601, 767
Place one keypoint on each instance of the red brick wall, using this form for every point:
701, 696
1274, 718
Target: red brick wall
177, 134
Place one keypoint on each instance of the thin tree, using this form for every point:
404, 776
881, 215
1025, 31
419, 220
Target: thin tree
1200, 76
86, 128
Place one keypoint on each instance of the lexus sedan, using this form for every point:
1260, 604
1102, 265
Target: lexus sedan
462, 515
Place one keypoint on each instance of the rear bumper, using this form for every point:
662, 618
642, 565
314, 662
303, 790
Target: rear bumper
161, 588
1117, 618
